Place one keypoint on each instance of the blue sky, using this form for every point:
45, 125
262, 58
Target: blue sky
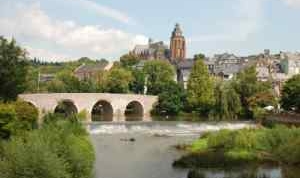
68, 29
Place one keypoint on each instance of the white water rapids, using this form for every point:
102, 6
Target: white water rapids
164, 128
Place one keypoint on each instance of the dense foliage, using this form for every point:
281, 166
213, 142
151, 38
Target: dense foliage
248, 87
234, 148
17, 118
171, 100
13, 69
137, 85
118, 80
227, 102
157, 73
60, 149
200, 89
128, 60
291, 94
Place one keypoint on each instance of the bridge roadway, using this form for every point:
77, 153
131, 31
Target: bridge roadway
103, 106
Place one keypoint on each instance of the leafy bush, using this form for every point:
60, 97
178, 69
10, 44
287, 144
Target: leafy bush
8, 117
199, 145
244, 140
27, 115
291, 94
32, 158
220, 139
60, 149
289, 152
241, 155
279, 144
17, 118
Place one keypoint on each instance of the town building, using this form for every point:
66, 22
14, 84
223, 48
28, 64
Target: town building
226, 65
276, 68
85, 72
290, 63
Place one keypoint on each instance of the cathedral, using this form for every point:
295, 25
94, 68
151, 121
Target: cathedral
158, 50
175, 54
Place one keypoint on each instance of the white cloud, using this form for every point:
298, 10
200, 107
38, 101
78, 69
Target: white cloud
32, 26
247, 16
104, 10
293, 3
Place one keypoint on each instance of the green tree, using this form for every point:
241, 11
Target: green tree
71, 83
200, 89
101, 80
65, 81
138, 82
118, 80
13, 67
227, 102
199, 56
32, 79
171, 100
157, 73
56, 86
129, 60
291, 94
247, 85
88, 86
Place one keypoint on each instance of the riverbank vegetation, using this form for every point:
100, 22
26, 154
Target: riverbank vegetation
247, 147
59, 148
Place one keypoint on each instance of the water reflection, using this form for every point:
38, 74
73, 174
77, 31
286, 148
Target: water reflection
263, 171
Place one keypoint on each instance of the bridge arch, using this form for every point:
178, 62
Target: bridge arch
102, 111
66, 107
134, 111
31, 103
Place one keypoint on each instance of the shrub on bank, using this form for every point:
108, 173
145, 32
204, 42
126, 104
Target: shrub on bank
228, 148
31, 159
7, 119
60, 149
17, 118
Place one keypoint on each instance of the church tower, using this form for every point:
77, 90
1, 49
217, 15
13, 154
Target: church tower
177, 45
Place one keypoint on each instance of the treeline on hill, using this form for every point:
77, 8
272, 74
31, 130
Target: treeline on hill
242, 97
59, 149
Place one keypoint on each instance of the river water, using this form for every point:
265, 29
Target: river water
146, 150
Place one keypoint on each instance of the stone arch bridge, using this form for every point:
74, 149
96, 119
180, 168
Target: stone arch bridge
98, 106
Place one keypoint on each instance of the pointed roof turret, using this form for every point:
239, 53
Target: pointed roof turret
177, 30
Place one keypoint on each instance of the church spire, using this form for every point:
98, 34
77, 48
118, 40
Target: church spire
177, 44
177, 31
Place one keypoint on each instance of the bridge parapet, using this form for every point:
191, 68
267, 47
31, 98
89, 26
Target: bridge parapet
47, 102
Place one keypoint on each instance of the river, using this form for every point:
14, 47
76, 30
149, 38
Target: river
146, 150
